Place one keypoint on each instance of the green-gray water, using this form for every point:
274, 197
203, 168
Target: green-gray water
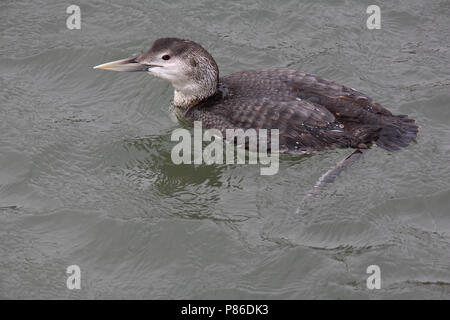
86, 176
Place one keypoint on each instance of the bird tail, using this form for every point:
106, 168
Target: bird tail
397, 132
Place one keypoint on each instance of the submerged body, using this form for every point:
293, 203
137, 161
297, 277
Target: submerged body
310, 112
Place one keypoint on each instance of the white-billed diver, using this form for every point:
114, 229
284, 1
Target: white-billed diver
310, 112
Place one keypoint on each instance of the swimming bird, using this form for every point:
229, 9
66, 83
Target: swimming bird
310, 112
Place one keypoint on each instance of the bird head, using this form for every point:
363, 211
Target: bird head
190, 69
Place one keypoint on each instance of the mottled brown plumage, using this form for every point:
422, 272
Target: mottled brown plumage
311, 113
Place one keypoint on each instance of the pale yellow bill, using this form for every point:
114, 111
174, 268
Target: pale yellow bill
129, 64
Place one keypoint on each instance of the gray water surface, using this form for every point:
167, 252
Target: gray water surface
86, 176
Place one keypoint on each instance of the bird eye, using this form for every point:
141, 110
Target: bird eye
166, 57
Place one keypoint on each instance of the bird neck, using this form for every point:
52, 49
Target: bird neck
201, 82
187, 97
